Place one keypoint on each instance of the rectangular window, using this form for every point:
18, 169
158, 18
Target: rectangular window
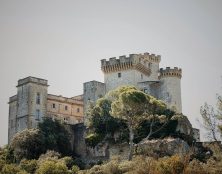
145, 91
66, 108
11, 123
53, 105
78, 110
119, 75
38, 98
37, 114
142, 76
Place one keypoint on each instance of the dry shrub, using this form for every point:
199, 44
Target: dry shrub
147, 165
170, 165
196, 167
139, 165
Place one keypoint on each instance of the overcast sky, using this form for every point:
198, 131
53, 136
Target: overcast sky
63, 41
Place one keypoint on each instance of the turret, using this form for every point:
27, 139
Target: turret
170, 87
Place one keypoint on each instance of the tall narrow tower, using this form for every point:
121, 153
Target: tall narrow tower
31, 102
170, 88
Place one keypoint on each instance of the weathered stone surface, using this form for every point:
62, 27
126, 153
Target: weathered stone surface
184, 126
162, 147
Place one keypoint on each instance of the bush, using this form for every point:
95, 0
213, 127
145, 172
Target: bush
29, 166
27, 144
75, 169
171, 165
12, 169
52, 167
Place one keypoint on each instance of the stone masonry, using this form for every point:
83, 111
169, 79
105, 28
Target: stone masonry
32, 102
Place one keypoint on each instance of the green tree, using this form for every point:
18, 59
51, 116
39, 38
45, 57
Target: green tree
100, 119
133, 106
55, 136
27, 144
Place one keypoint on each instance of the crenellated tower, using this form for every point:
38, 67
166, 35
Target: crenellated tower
170, 87
130, 70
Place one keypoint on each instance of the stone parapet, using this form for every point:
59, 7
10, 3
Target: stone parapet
139, 62
169, 72
32, 80
64, 99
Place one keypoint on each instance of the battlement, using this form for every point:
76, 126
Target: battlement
32, 80
140, 62
169, 72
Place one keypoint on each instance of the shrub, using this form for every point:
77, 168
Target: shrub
75, 169
171, 165
27, 144
12, 169
52, 167
29, 166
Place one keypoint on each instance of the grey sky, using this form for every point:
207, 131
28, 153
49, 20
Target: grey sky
64, 40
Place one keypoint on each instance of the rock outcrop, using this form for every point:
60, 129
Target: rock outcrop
162, 147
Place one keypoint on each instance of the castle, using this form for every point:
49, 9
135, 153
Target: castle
142, 71
33, 102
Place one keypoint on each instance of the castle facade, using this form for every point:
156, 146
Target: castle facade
141, 71
32, 102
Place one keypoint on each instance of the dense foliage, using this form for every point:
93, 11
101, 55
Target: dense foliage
31, 143
55, 136
127, 108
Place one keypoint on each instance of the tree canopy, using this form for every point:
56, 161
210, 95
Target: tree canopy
133, 105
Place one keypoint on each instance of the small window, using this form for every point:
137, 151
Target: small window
142, 76
66, 108
38, 98
78, 110
145, 90
53, 106
11, 123
119, 75
37, 114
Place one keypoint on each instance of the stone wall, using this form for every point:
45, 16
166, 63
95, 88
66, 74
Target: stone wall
12, 121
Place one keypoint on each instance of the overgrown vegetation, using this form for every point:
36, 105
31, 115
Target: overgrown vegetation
148, 165
129, 115
50, 135
126, 114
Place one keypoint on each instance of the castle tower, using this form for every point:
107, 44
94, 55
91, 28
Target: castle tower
31, 102
92, 91
170, 88
130, 70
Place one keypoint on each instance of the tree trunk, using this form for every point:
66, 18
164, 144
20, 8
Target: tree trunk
131, 138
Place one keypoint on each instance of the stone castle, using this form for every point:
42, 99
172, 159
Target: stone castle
33, 102
141, 71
